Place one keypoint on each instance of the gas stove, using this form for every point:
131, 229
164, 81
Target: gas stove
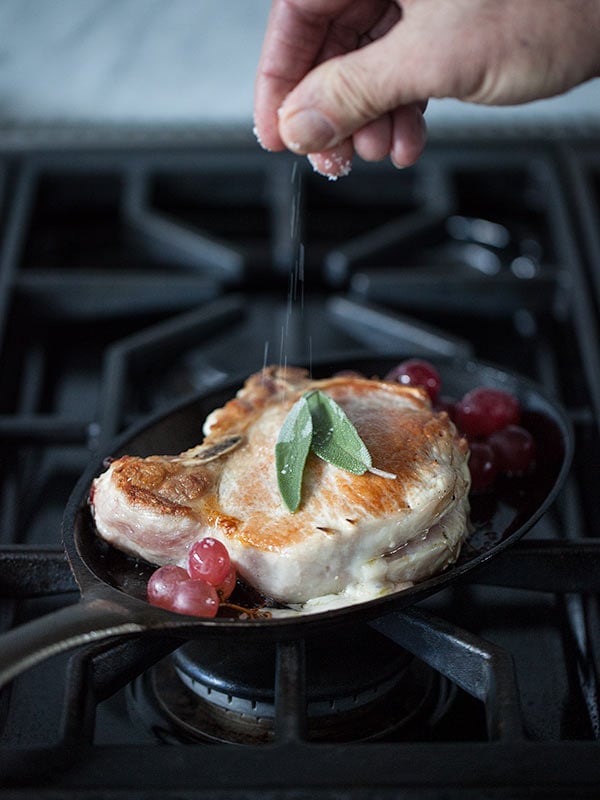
133, 279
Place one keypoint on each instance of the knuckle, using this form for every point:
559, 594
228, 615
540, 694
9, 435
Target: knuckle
349, 92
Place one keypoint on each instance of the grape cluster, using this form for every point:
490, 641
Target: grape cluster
489, 418
209, 579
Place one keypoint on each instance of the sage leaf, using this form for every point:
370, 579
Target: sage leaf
316, 422
334, 438
291, 450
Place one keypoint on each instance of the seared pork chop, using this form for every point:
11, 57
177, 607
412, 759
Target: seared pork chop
353, 536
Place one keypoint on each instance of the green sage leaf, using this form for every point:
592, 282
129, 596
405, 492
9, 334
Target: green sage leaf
291, 450
334, 438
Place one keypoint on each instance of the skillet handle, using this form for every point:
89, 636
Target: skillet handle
95, 617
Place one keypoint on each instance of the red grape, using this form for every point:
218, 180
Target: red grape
209, 561
172, 588
514, 448
482, 466
416, 372
484, 410
162, 583
225, 589
196, 598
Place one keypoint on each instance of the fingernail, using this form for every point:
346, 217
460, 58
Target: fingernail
308, 130
410, 148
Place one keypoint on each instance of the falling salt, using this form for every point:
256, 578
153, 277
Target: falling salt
295, 296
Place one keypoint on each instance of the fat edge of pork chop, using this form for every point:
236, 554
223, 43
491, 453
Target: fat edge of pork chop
352, 537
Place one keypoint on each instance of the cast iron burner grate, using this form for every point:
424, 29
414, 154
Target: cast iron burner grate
129, 280
359, 687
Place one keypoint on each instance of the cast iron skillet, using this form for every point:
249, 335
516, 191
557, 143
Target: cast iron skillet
113, 586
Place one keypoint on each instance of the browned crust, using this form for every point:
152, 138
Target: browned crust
160, 484
376, 496
274, 384
172, 486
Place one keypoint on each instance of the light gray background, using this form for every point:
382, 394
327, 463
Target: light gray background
175, 65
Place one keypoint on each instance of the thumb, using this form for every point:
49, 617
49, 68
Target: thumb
342, 95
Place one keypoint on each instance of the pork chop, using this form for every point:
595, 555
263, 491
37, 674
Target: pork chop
352, 537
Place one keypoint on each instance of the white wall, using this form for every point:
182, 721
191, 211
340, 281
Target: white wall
170, 62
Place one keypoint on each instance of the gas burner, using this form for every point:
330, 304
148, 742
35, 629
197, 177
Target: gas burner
360, 687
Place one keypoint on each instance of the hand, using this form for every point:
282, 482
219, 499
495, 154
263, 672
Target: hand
339, 77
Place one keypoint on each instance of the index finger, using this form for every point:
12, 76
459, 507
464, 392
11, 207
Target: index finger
292, 42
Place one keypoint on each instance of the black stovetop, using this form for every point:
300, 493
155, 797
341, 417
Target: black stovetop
130, 280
